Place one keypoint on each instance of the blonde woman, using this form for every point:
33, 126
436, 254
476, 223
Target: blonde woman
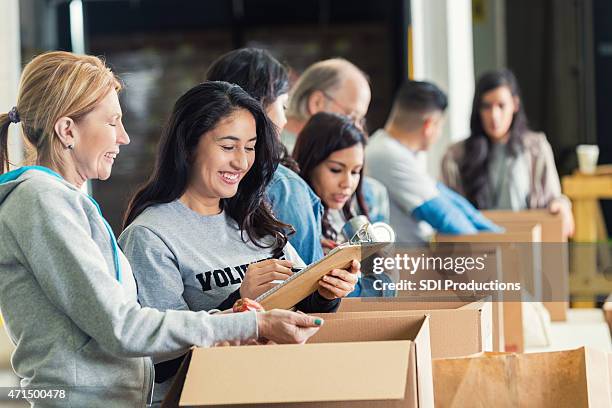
67, 293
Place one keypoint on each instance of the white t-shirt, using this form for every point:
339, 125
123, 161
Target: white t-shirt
407, 182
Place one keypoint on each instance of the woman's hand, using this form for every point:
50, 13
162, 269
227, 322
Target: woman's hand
339, 282
285, 327
260, 275
567, 218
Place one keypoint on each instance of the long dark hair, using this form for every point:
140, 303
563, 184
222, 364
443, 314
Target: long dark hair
474, 165
322, 135
195, 113
260, 75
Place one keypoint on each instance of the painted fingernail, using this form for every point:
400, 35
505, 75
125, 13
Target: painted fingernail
318, 322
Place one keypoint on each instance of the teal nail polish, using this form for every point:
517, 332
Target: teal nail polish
318, 322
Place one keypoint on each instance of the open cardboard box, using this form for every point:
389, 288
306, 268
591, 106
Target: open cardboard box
457, 328
432, 300
518, 261
555, 262
564, 379
362, 362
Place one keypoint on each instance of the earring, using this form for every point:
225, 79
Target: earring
70, 146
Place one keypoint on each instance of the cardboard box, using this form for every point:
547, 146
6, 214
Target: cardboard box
519, 263
416, 300
573, 378
555, 260
362, 362
457, 328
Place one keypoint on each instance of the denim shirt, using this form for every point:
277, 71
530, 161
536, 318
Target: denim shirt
377, 199
293, 202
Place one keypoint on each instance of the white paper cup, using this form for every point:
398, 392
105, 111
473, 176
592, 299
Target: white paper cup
587, 158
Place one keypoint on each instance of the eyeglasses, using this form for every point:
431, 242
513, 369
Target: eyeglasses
357, 119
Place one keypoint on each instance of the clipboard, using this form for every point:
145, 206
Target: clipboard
301, 284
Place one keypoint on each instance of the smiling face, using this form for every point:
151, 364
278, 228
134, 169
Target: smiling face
497, 109
223, 157
335, 179
97, 137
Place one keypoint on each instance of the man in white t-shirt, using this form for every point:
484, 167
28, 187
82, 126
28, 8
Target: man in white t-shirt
418, 204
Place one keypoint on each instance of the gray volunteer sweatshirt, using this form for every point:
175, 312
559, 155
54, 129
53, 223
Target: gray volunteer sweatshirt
183, 260
76, 327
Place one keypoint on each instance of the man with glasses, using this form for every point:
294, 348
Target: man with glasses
333, 85
338, 86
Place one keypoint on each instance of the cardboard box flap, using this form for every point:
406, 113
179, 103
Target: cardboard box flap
342, 327
171, 400
346, 327
424, 368
457, 328
274, 371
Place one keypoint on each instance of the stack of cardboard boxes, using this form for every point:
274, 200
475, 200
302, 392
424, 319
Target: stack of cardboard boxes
388, 353
398, 352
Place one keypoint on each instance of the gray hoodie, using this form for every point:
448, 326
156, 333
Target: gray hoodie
73, 317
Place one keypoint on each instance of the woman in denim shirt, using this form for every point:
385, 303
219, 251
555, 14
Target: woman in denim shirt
330, 153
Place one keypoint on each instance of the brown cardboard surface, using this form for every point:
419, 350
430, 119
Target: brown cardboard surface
388, 366
573, 378
343, 328
440, 300
513, 327
456, 328
552, 227
555, 263
518, 263
557, 310
278, 368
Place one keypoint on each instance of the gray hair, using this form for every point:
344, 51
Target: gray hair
322, 76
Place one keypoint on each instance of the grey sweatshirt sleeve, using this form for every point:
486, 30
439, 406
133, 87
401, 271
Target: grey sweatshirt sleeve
54, 234
155, 269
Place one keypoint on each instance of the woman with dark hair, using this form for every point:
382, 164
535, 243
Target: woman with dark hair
68, 296
503, 164
293, 202
330, 153
199, 234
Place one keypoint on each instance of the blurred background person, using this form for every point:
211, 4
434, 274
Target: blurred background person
419, 205
503, 164
337, 86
